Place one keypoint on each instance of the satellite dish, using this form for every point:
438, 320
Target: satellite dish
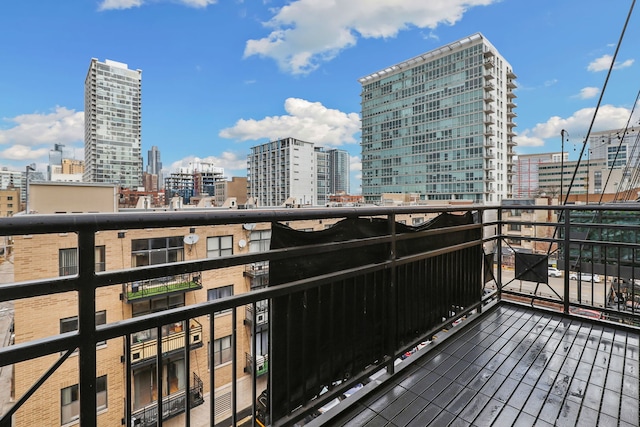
242, 243
190, 239
249, 226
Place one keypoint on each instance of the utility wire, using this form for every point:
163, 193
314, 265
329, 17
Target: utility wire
586, 139
620, 141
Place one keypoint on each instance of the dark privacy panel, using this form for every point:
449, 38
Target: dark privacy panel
331, 332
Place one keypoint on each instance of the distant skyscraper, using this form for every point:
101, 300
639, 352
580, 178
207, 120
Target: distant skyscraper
440, 125
112, 130
338, 171
154, 165
55, 160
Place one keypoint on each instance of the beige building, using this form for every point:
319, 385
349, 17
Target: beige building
56, 402
9, 202
63, 197
236, 188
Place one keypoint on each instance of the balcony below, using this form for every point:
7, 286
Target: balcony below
151, 288
172, 405
144, 346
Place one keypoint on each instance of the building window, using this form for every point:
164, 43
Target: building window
69, 404
100, 258
70, 400
221, 292
70, 324
68, 260
101, 392
154, 251
9, 197
221, 351
259, 241
219, 246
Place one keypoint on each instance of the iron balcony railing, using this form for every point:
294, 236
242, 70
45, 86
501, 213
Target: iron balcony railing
261, 317
172, 405
144, 343
400, 299
150, 288
260, 363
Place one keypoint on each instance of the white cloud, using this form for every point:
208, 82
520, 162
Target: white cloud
22, 152
62, 126
128, 4
604, 62
234, 164
588, 92
355, 163
609, 117
119, 4
305, 33
307, 121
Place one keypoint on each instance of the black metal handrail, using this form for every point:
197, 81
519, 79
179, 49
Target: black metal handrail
87, 281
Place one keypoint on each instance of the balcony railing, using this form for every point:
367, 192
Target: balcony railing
150, 288
172, 405
338, 318
261, 314
144, 344
261, 364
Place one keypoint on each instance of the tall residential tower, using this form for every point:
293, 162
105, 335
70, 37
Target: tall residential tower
440, 125
112, 129
339, 171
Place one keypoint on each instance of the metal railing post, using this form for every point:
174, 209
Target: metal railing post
566, 254
87, 326
393, 296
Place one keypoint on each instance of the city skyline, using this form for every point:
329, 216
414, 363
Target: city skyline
227, 77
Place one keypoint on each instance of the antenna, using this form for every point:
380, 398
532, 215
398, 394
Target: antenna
191, 239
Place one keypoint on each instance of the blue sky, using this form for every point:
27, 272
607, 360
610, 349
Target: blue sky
222, 76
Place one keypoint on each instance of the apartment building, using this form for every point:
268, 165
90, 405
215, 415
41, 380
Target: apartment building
9, 201
113, 124
283, 171
42, 256
441, 125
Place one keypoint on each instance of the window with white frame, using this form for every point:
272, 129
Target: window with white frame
70, 324
101, 392
221, 351
68, 260
218, 246
157, 250
220, 292
69, 404
70, 400
259, 241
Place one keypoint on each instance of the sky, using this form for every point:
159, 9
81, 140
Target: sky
222, 76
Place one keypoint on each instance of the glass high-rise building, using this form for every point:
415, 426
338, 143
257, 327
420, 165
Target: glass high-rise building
338, 171
440, 125
154, 165
112, 129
